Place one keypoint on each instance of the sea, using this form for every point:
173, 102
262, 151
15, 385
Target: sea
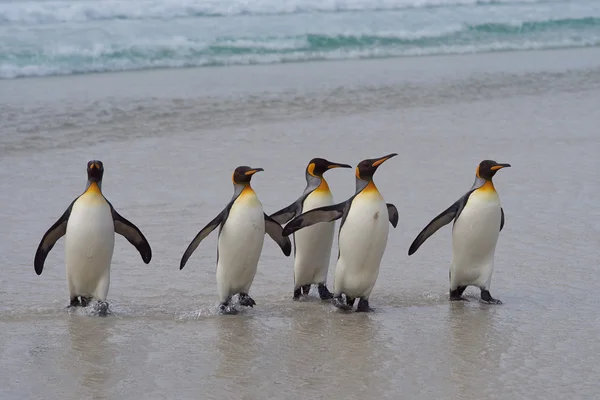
65, 37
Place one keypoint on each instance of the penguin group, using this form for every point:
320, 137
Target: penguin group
90, 222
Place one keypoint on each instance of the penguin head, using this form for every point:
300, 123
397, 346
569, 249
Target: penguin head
95, 170
243, 174
488, 168
366, 168
318, 166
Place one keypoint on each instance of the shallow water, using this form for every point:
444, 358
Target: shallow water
168, 154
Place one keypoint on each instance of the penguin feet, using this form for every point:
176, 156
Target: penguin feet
246, 300
363, 305
74, 302
305, 290
324, 293
101, 308
226, 309
85, 301
456, 294
350, 301
297, 294
487, 298
338, 302
79, 301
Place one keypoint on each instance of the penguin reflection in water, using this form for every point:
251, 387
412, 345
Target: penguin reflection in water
478, 219
362, 236
242, 227
312, 246
89, 225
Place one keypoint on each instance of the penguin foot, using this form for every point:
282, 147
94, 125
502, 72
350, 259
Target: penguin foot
297, 294
487, 298
85, 301
74, 302
79, 301
324, 293
456, 294
363, 306
339, 303
305, 290
350, 301
226, 309
101, 307
246, 300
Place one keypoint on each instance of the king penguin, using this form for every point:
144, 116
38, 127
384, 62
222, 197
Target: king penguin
242, 226
89, 225
362, 237
312, 246
478, 220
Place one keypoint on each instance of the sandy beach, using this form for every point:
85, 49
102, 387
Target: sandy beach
170, 139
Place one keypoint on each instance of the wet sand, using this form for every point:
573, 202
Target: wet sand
169, 141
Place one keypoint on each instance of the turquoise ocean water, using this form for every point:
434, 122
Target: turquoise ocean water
46, 37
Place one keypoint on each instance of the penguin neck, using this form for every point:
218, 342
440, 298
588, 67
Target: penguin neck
241, 188
365, 186
316, 183
483, 184
93, 186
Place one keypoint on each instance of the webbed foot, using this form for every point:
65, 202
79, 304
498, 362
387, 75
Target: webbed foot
101, 307
363, 305
297, 293
456, 294
324, 293
487, 298
338, 302
246, 300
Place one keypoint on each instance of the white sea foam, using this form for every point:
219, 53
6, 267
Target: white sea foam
77, 11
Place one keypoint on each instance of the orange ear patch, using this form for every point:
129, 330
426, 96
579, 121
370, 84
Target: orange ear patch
311, 169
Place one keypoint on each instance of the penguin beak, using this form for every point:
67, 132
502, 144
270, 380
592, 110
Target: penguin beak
499, 166
253, 171
335, 165
383, 159
94, 166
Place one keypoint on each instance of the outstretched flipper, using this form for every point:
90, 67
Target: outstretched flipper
50, 238
204, 232
275, 231
285, 214
131, 232
444, 218
393, 214
316, 215
502, 220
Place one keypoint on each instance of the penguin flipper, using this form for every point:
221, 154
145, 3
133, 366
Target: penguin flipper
50, 238
131, 232
204, 232
316, 215
444, 218
285, 214
502, 220
275, 230
393, 214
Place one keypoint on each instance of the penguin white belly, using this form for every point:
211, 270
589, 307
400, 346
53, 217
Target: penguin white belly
89, 245
362, 242
240, 245
474, 239
313, 244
